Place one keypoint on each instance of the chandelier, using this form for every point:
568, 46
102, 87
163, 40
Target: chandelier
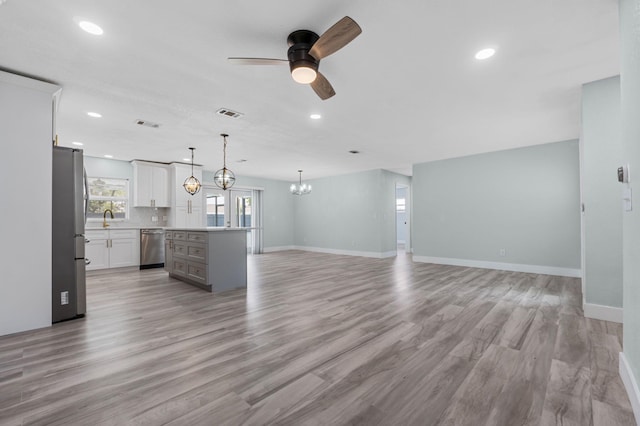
300, 188
192, 184
224, 177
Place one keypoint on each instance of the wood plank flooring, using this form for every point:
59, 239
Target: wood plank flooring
321, 339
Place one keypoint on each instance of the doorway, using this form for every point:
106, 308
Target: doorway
236, 208
403, 228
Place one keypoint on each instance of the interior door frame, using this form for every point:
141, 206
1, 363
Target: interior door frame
256, 231
407, 211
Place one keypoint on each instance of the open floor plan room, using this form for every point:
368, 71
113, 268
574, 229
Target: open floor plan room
321, 339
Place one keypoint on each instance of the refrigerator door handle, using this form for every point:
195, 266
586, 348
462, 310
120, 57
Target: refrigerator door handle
86, 196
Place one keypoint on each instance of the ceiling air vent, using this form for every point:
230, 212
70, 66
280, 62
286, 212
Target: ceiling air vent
229, 113
147, 123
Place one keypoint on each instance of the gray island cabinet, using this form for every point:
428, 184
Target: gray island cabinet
214, 259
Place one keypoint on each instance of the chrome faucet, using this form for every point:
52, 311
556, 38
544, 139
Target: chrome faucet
104, 222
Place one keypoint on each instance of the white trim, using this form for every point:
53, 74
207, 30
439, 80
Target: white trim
373, 254
278, 248
601, 312
29, 83
533, 269
630, 385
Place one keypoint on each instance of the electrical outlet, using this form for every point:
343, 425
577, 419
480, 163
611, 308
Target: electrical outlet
503, 252
64, 298
154, 218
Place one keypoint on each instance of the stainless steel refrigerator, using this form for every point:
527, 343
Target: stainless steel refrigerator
69, 298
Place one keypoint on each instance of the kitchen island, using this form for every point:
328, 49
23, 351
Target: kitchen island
214, 259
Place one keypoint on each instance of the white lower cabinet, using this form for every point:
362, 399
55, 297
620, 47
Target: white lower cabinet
97, 251
112, 248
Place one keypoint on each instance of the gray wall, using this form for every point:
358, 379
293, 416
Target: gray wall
354, 213
524, 200
630, 88
278, 219
601, 155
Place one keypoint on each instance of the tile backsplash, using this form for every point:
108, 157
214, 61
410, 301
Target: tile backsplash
138, 217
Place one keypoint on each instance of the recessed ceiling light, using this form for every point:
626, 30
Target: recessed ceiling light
90, 27
77, 143
94, 114
315, 116
485, 53
108, 156
186, 159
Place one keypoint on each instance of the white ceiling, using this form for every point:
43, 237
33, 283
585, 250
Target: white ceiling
408, 88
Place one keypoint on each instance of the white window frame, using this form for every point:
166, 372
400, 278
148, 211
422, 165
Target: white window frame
126, 199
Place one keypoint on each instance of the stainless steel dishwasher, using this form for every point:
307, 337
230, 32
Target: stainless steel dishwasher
151, 248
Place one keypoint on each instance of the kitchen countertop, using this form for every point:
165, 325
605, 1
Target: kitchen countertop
100, 228
208, 229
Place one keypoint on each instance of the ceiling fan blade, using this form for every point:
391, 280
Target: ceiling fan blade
335, 38
322, 87
257, 61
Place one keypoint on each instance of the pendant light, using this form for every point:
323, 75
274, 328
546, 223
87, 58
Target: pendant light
224, 177
300, 188
192, 184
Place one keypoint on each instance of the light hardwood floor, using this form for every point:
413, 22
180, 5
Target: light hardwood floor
321, 339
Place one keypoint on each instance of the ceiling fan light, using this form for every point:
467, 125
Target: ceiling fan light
303, 74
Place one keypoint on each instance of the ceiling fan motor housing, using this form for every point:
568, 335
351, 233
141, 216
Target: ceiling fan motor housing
300, 42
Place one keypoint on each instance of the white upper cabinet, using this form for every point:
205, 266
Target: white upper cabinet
180, 173
186, 210
150, 185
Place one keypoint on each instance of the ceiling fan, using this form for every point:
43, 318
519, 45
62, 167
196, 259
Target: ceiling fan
306, 49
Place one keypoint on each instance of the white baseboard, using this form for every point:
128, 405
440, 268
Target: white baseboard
373, 254
601, 312
532, 269
279, 248
630, 385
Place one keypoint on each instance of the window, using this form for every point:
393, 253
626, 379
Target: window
108, 193
243, 211
215, 210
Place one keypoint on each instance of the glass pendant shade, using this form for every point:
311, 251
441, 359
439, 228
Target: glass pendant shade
300, 188
192, 184
224, 178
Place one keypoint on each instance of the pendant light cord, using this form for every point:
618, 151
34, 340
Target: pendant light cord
224, 151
